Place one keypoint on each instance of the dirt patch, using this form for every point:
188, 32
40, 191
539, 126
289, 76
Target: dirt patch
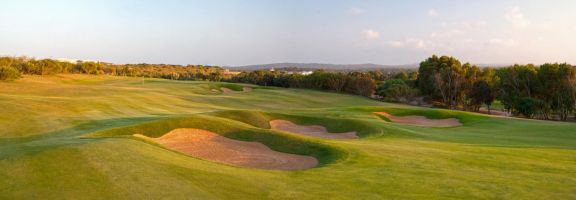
313, 130
421, 120
215, 90
247, 89
211, 146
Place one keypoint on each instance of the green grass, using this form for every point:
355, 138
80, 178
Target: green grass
69, 137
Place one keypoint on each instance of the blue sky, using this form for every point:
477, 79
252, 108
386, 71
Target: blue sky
240, 32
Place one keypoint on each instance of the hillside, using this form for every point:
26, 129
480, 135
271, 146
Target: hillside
329, 67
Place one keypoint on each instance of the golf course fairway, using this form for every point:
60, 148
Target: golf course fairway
72, 137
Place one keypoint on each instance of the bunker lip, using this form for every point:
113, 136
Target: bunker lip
213, 147
313, 130
421, 120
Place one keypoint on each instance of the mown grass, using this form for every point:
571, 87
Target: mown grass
335, 125
68, 137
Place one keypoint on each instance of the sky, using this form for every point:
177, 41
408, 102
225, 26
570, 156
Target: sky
244, 32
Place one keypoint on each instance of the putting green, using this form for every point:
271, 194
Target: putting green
70, 137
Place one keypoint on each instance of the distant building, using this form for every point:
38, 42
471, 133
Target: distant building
306, 73
74, 61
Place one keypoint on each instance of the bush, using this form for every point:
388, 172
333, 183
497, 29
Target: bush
528, 107
396, 90
8, 73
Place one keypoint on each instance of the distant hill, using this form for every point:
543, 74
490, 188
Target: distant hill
316, 66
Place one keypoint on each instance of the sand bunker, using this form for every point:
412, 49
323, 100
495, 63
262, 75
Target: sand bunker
314, 130
421, 120
229, 91
211, 146
226, 90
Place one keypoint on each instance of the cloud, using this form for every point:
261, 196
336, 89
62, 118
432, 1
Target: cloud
371, 34
355, 11
515, 16
433, 13
410, 43
417, 43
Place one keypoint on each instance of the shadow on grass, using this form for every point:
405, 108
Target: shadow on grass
14, 147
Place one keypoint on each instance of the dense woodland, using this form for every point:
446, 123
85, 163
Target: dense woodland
527, 90
544, 92
12, 68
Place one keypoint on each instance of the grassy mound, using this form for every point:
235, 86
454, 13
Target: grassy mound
255, 118
463, 117
231, 129
335, 125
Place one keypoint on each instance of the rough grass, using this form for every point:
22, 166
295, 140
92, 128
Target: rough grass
68, 137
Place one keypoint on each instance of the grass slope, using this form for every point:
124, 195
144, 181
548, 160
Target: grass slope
68, 137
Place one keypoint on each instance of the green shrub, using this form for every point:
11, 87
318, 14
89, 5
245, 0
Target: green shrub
8, 73
396, 90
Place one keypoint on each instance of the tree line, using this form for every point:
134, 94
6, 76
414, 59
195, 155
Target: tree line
527, 90
358, 83
541, 92
12, 68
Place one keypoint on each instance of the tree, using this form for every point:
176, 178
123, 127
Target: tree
514, 83
528, 107
481, 93
470, 74
29, 67
396, 90
6, 61
449, 81
557, 88
401, 75
215, 76
8, 73
48, 67
336, 82
439, 79
88, 67
378, 75
360, 83
66, 67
